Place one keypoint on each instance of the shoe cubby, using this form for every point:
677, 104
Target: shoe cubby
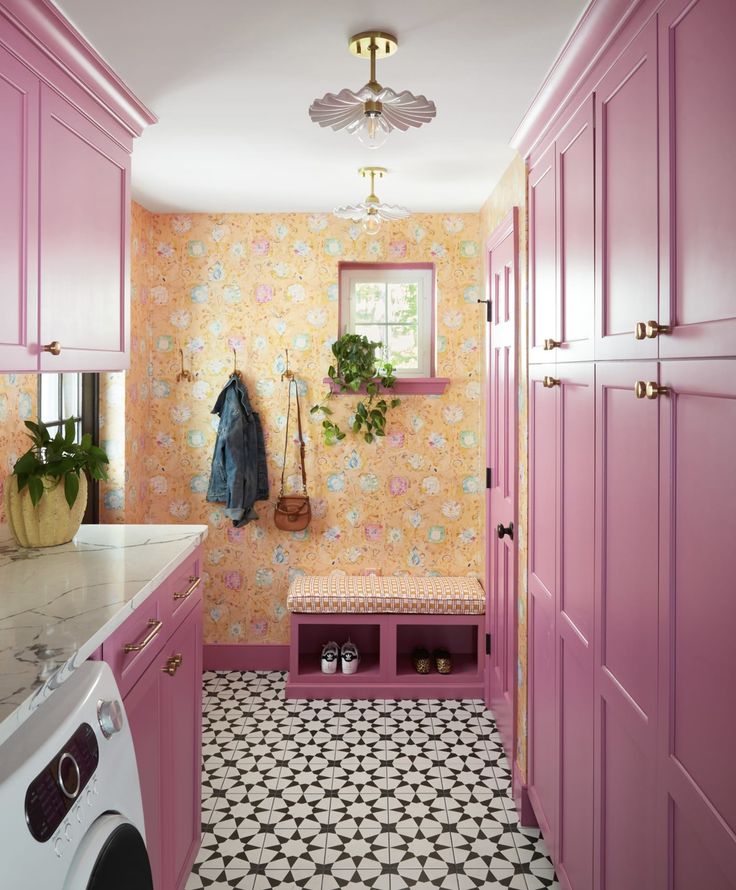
385, 644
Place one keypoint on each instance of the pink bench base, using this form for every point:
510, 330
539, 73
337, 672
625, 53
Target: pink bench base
385, 643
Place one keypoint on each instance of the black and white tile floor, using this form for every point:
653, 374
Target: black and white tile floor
356, 794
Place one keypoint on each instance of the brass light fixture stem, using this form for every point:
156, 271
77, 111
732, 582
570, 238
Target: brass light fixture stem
373, 83
372, 172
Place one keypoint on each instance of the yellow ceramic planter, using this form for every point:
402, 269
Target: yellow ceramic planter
50, 522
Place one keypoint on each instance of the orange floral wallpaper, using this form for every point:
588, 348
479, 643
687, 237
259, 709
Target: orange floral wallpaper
261, 284
17, 403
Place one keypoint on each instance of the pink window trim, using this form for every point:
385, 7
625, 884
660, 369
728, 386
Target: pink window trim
443, 381
408, 386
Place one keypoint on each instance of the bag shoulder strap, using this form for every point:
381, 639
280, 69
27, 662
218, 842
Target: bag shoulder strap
302, 448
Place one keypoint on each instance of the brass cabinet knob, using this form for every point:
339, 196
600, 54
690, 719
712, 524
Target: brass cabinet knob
654, 390
653, 329
54, 347
640, 331
550, 344
640, 389
549, 382
172, 664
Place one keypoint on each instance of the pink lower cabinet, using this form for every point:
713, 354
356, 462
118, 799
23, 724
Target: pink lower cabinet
161, 683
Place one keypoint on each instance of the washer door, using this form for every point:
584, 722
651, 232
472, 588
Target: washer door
112, 856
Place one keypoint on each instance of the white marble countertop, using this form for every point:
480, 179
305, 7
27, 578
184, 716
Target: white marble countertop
58, 604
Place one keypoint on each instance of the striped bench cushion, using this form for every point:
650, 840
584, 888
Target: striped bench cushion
376, 594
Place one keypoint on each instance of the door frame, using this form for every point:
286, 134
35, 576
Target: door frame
508, 227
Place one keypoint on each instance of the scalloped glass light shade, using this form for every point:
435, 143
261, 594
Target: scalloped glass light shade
367, 211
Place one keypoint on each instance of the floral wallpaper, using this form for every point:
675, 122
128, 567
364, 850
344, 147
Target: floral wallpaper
510, 192
17, 403
262, 284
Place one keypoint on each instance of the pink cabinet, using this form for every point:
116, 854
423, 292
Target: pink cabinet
543, 322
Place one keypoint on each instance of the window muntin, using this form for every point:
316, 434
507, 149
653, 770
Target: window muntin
60, 397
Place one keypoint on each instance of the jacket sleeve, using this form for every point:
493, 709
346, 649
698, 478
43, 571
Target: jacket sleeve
234, 464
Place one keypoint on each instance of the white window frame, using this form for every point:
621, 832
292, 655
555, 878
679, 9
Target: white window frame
423, 275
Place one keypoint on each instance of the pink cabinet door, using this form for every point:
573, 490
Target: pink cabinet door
696, 801
626, 632
575, 237
143, 706
181, 756
84, 231
698, 190
502, 461
574, 623
542, 745
19, 91
626, 224
543, 322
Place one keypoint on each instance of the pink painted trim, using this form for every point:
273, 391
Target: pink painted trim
521, 799
407, 386
348, 267
245, 657
595, 31
42, 23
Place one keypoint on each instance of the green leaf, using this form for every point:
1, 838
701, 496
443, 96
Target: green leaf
368, 437
26, 464
22, 481
86, 442
395, 403
35, 487
71, 488
69, 431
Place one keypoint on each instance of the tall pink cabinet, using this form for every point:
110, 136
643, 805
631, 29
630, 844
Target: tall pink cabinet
68, 125
632, 407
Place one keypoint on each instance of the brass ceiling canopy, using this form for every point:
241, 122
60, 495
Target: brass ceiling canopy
373, 111
372, 211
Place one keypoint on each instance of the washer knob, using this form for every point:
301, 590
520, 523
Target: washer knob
58, 846
110, 717
67, 831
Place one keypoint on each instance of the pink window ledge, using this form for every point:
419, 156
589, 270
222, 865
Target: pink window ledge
409, 386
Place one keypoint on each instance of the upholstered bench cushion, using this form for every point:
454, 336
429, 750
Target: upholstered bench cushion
375, 594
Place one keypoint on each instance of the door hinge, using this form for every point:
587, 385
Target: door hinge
489, 477
488, 644
489, 308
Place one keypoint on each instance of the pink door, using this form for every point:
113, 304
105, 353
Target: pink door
543, 320
575, 237
626, 633
542, 744
696, 801
182, 753
84, 231
574, 623
502, 461
698, 186
18, 214
626, 225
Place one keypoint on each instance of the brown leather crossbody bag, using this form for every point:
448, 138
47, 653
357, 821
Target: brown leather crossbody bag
293, 511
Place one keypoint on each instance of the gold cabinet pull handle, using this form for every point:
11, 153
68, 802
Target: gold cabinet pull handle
549, 382
194, 583
654, 390
154, 627
173, 664
640, 389
54, 347
640, 331
653, 329
550, 344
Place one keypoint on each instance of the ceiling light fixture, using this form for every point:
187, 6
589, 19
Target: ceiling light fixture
374, 110
372, 212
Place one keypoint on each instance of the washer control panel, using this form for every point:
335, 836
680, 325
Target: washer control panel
53, 792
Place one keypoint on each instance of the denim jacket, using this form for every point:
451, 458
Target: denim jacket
239, 476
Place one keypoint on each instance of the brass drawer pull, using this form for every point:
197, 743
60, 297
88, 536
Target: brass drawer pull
651, 390
551, 344
650, 330
173, 664
549, 382
194, 583
54, 347
154, 627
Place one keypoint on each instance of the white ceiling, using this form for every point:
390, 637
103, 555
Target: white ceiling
231, 82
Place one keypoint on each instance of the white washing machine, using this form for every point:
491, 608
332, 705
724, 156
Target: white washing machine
71, 816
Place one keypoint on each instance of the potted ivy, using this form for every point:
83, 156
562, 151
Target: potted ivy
46, 496
357, 370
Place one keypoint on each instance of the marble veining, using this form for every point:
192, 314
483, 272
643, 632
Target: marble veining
59, 604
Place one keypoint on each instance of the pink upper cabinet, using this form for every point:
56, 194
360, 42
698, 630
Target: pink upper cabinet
698, 185
543, 323
68, 125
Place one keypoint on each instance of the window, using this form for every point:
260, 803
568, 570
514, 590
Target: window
75, 395
393, 305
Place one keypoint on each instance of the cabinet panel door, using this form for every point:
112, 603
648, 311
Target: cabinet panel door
697, 736
143, 707
576, 236
84, 231
19, 91
627, 211
182, 753
697, 121
626, 633
542, 257
574, 622
542, 758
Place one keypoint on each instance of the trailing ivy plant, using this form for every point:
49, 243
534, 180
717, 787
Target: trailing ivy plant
58, 458
356, 368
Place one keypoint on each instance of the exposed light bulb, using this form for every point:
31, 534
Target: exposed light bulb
373, 132
372, 225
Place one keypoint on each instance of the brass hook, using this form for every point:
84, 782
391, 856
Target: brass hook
289, 375
184, 374
236, 372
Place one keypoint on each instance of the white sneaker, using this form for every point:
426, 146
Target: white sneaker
349, 658
330, 656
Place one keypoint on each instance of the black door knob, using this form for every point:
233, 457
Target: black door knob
503, 530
